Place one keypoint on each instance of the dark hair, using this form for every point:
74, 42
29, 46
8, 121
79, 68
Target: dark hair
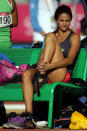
62, 9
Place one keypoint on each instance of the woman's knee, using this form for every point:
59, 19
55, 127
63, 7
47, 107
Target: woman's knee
50, 37
28, 74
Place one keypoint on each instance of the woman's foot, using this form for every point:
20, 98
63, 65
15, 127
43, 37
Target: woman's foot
29, 124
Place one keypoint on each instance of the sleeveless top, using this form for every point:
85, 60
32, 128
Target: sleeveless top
65, 48
5, 19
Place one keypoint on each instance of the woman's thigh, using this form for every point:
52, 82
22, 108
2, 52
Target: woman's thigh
57, 75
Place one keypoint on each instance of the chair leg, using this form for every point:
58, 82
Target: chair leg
58, 94
50, 111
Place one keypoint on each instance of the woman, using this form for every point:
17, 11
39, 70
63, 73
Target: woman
57, 57
56, 60
8, 19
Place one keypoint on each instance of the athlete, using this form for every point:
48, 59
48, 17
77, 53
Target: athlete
57, 57
8, 19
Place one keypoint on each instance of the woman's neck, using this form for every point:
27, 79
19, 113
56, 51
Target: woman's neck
60, 32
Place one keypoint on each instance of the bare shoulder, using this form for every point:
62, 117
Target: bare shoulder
75, 36
75, 40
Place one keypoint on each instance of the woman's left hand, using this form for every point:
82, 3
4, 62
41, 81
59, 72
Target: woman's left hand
43, 66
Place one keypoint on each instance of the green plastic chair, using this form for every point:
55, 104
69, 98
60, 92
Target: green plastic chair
48, 92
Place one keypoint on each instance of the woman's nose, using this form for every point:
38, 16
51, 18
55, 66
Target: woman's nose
64, 23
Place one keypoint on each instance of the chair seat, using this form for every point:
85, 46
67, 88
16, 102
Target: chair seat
13, 91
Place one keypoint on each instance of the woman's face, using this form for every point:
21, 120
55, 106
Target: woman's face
63, 21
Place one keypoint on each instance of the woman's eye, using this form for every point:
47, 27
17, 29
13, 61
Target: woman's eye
61, 20
67, 20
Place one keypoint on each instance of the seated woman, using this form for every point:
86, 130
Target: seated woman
57, 57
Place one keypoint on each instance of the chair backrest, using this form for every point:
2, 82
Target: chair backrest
80, 67
22, 55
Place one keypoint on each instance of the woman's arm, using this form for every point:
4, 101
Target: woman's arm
14, 14
75, 45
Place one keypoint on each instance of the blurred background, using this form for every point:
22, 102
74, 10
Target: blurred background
23, 33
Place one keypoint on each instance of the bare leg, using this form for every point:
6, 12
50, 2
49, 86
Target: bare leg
28, 89
52, 53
